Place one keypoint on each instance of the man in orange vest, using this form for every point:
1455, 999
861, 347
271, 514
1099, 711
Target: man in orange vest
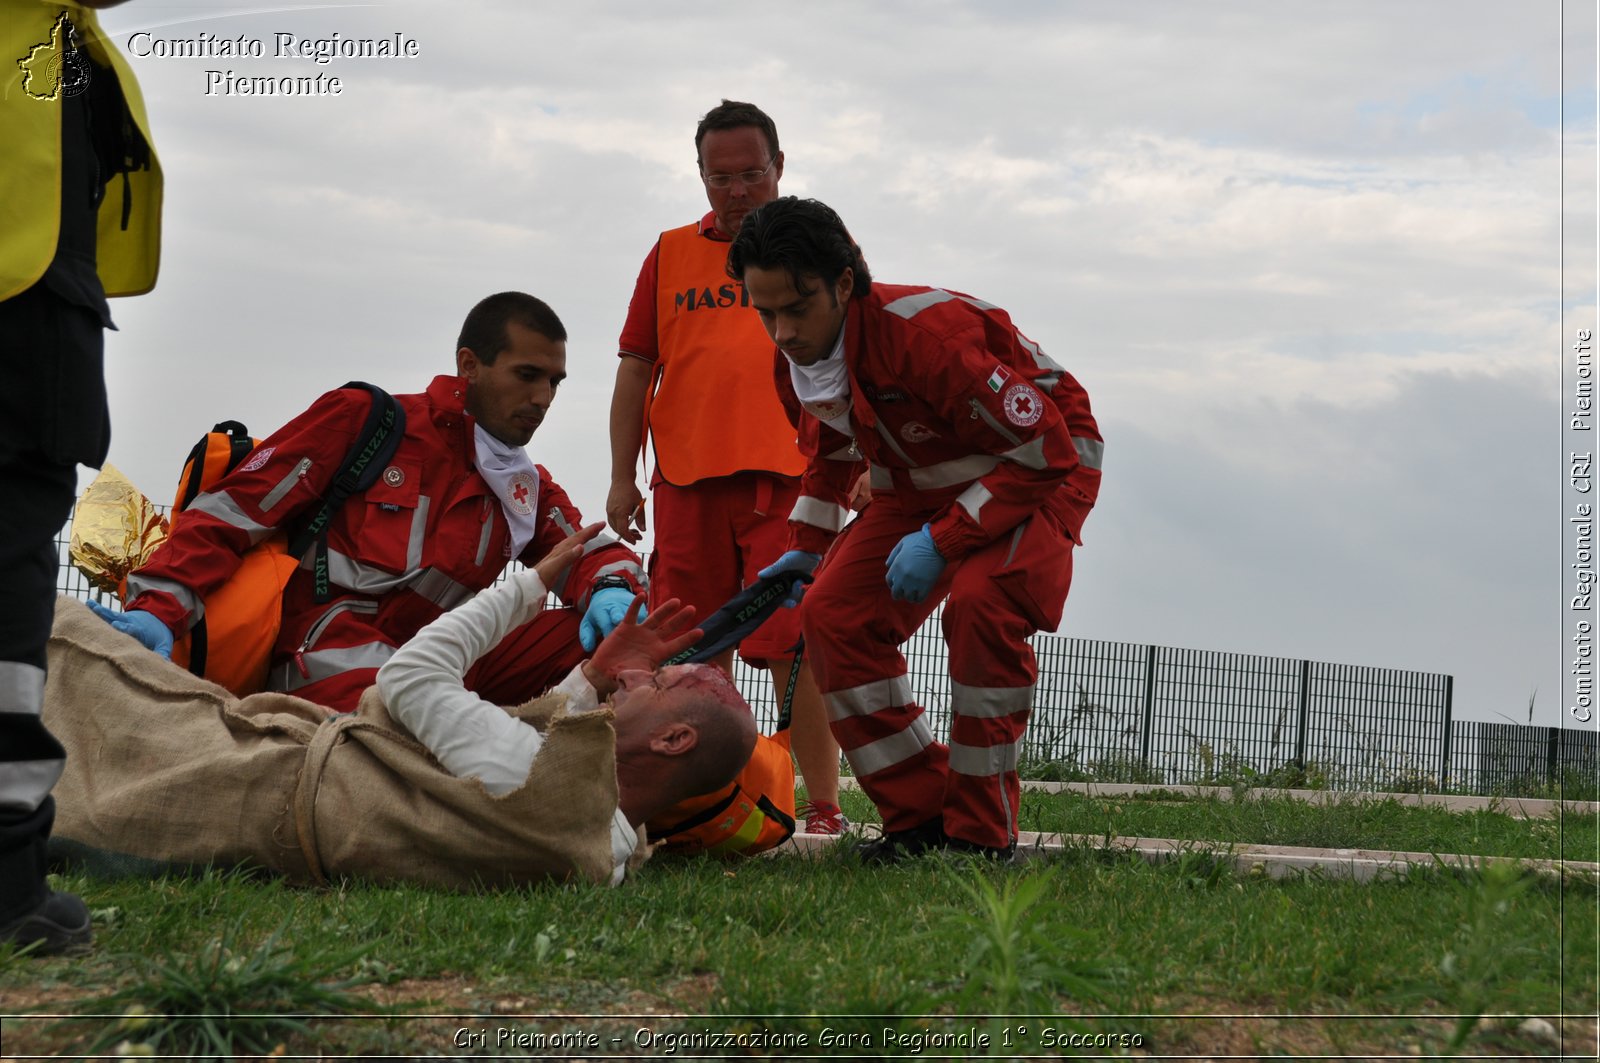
695, 376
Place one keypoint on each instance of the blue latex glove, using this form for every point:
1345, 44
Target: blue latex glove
802, 564
915, 565
607, 607
146, 627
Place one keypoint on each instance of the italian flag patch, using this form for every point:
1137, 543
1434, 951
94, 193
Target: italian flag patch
998, 378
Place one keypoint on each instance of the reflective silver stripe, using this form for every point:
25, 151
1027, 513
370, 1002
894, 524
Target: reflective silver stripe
1029, 455
1016, 540
983, 760
483, 537
894, 444
21, 688
890, 750
989, 419
973, 499
419, 530
909, 306
952, 472
599, 542
325, 664
868, 698
879, 478
819, 514
441, 590
221, 505
274, 496
1090, 451
345, 571
24, 783
979, 303
989, 702
1047, 383
139, 584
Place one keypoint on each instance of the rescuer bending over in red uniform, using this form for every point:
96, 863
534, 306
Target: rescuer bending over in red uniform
984, 460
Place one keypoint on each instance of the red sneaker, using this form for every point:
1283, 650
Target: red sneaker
823, 817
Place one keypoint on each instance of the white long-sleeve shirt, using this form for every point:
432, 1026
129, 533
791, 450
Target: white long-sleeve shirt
423, 687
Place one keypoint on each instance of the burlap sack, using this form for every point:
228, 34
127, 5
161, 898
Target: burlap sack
167, 767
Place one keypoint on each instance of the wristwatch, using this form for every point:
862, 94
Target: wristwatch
611, 581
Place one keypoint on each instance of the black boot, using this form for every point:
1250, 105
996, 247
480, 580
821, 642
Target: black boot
897, 845
30, 912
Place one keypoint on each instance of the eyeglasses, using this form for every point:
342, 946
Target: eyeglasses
749, 177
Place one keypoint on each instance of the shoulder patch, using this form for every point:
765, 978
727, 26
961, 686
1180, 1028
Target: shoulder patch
257, 460
1023, 405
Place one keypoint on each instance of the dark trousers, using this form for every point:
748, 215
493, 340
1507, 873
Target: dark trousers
52, 417
36, 494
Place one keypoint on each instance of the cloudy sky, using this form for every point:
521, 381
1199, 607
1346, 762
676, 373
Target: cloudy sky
1306, 258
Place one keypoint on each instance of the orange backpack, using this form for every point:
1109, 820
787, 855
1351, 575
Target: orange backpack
232, 641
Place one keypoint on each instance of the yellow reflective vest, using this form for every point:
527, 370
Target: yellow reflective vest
32, 61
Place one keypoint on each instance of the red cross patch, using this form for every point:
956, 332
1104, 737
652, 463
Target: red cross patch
520, 493
1023, 405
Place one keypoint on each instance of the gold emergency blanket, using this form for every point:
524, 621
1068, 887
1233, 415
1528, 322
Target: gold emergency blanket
115, 529
167, 767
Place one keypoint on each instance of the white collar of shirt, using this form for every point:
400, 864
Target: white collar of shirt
514, 481
823, 387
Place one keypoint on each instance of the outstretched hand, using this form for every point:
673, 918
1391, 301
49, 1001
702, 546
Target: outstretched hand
567, 551
641, 645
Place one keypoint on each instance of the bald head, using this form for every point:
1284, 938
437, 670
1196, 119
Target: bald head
684, 730
713, 706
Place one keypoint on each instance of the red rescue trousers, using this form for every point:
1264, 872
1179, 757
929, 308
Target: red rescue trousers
998, 596
526, 663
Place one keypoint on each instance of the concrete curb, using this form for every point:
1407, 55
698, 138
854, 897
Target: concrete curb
1518, 807
1273, 861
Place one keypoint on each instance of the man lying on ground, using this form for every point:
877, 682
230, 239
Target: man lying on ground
435, 787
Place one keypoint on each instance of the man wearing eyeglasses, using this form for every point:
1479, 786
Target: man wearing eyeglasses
695, 377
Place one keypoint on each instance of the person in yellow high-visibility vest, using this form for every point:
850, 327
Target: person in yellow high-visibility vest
80, 220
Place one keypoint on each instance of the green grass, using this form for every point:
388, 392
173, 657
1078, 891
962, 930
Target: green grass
1081, 935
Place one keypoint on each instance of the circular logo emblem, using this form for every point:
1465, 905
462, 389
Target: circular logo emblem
1023, 405
394, 476
917, 432
257, 459
520, 493
70, 71
828, 410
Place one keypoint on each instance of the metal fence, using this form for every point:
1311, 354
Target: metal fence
1130, 712
1510, 758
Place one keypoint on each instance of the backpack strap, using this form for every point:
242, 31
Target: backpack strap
380, 438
